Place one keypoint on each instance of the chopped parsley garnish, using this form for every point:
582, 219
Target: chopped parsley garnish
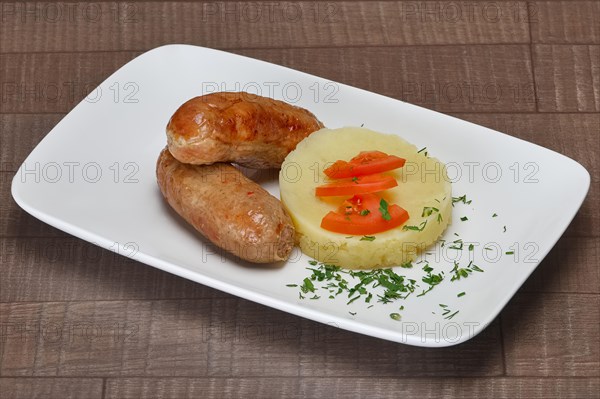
395, 286
395, 316
428, 210
446, 312
471, 247
495, 215
464, 219
307, 286
475, 267
504, 229
431, 279
352, 313
461, 294
355, 179
364, 212
463, 272
458, 244
383, 208
460, 272
367, 238
451, 316
291, 285
510, 253
416, 228
462, 198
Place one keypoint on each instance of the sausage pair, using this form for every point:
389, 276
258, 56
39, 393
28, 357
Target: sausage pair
229, 209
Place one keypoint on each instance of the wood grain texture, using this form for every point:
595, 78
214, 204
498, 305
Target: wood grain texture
142, 26
54, 82
571, 266
446, 78
19, 134
218, 338
552, 335
352, 387
14, 221
78, 321
66, 269
565, 22
104, 338
449, 388
345, 354
567, 77
43, 388
221, 388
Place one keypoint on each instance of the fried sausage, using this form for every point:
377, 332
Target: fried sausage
230, 210
250, 130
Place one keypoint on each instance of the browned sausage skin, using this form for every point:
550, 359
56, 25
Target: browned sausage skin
230, 210
250, 130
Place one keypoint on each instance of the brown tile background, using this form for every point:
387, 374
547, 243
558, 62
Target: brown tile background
80, 322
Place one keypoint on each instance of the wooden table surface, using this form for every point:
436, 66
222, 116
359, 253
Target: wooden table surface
78, 321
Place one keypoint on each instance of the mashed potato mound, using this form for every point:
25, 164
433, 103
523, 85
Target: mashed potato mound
421, 186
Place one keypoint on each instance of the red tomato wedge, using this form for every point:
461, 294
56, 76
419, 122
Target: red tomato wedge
365, 163
363, 214
357, 185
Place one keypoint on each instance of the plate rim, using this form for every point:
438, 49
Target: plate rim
276, 303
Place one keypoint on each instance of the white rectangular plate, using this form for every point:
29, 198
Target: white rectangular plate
93, 176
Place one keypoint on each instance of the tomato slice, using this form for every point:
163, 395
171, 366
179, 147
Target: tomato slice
357, 185
361, 215
365, 163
